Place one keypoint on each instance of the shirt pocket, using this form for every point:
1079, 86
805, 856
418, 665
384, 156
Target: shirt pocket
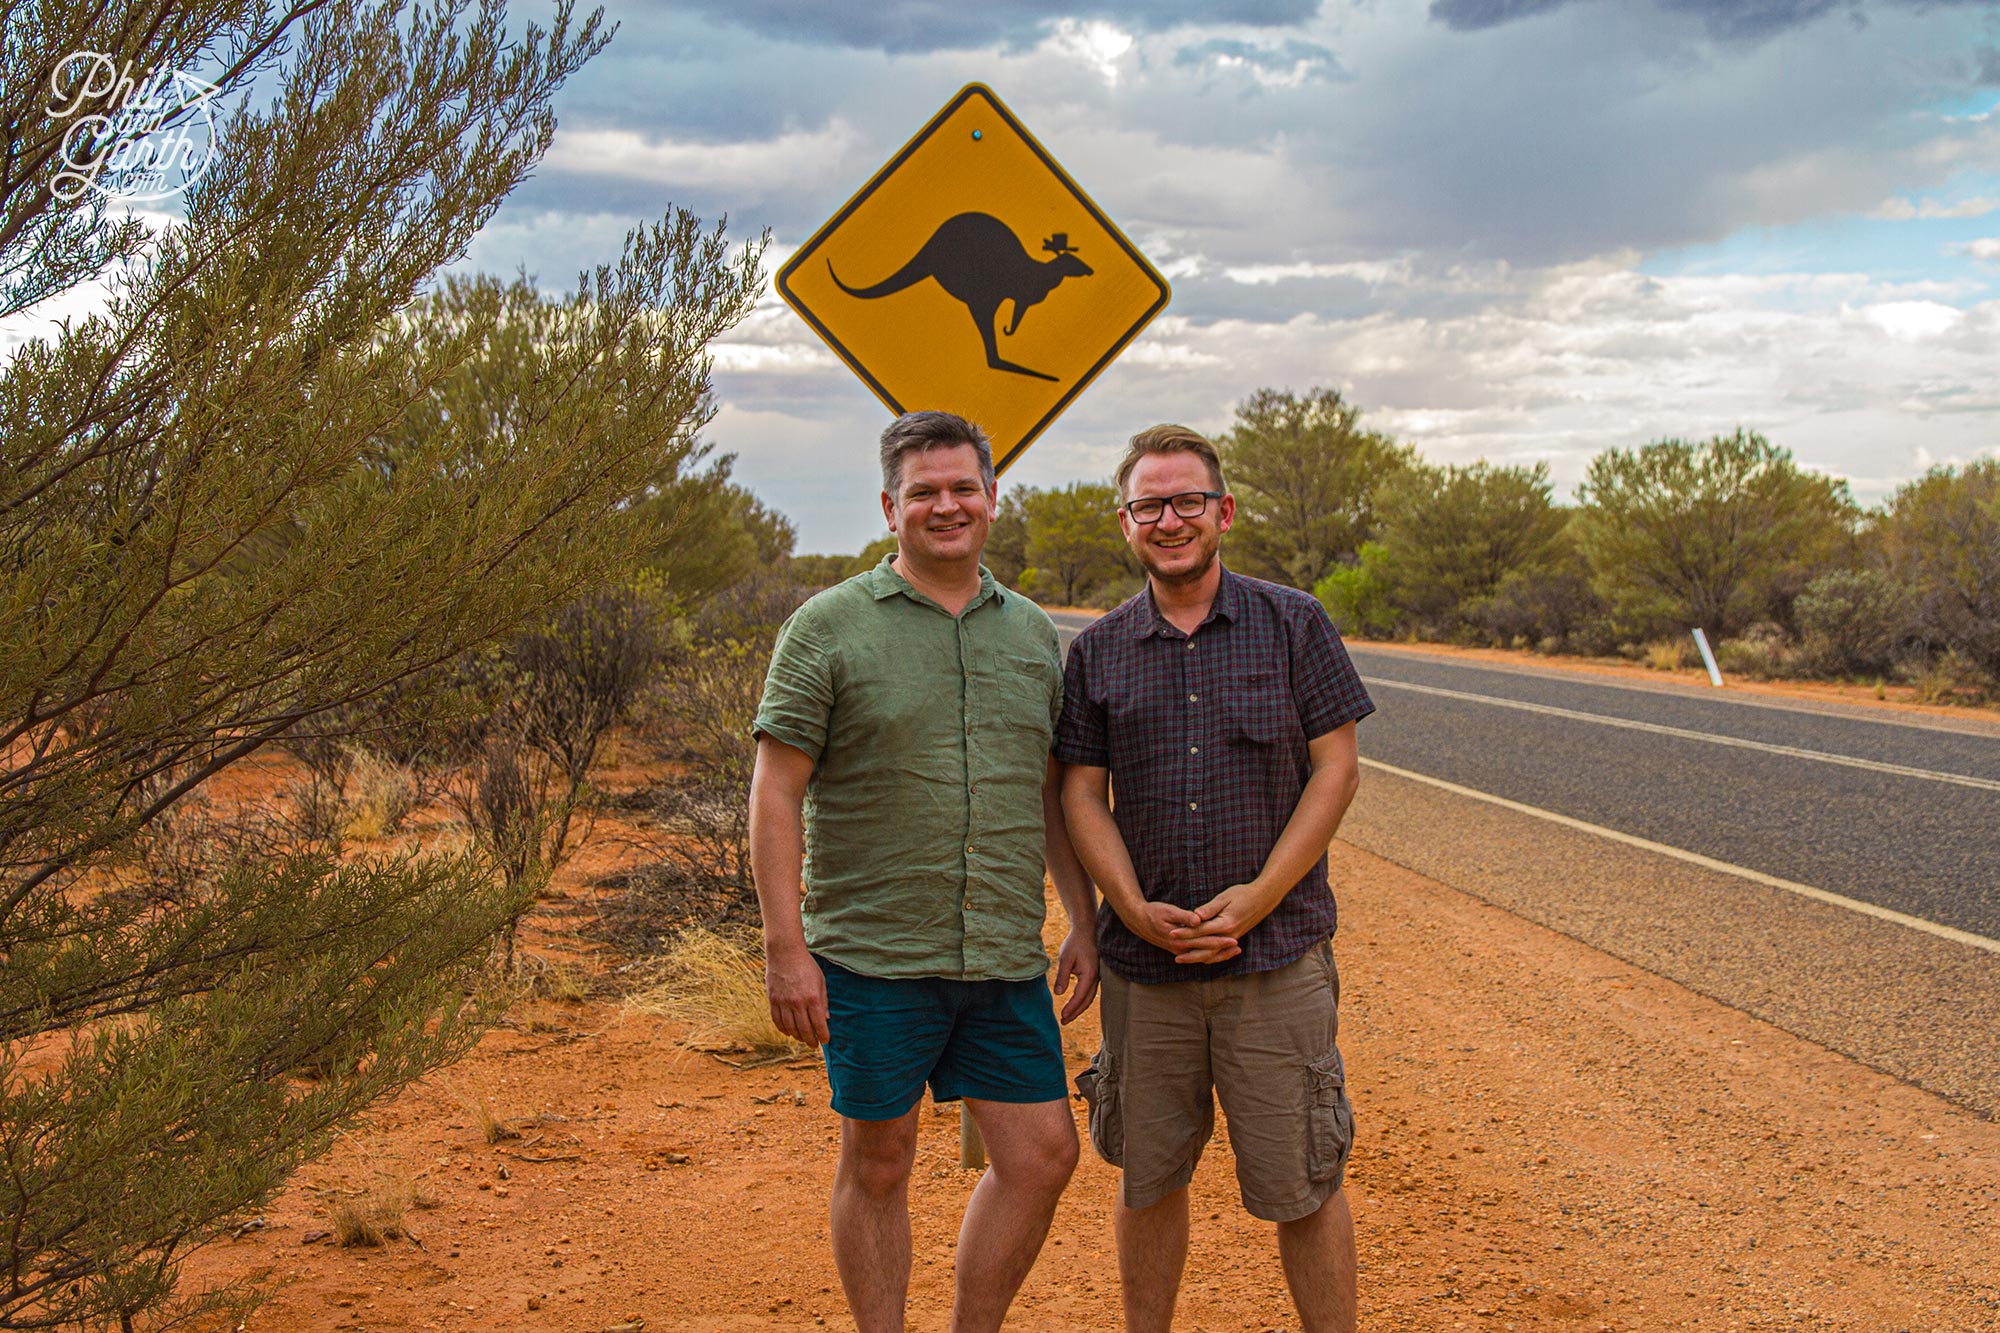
1259, 711
1024, 687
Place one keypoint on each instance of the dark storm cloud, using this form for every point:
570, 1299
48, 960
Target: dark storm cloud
913, 26
1601, 129
1605, 128
1728, 20
1475, 15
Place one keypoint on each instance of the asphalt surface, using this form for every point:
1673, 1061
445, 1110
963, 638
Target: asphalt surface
1883, 811
1899, 814
1915, 835
1068, 623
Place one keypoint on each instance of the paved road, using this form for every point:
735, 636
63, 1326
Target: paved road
1893, 813
1067, 625
1906, 817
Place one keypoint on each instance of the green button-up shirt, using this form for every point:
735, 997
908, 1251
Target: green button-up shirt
930, 737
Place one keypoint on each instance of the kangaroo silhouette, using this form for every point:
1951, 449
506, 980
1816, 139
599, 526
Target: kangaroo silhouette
979, 261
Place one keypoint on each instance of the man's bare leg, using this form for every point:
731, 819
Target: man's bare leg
1031, 1153
1152, 1252
1318, 1253
871, 1218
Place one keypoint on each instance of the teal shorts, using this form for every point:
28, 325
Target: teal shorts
993, 1041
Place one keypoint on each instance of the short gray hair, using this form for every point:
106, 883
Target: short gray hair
916, 432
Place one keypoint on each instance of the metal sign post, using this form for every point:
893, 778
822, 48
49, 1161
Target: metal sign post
972, 275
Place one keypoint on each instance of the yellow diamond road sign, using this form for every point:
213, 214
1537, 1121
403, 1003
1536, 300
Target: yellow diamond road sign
971, 275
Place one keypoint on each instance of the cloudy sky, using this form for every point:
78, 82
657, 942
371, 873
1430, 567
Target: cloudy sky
1517, 230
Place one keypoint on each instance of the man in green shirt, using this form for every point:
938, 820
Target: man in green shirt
903, 777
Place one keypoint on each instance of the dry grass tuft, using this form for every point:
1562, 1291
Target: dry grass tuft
1949, 677
1669, 654
371, 1218
385, 794
491, 1127
561, 980
713, 982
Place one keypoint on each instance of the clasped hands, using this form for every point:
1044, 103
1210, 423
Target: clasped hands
1210, 933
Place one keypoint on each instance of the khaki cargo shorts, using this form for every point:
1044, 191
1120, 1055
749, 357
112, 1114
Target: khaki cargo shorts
1264, 1043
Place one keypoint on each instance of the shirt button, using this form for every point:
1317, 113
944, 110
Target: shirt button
1193, 697
1190, 645
1194, 749
1194, 805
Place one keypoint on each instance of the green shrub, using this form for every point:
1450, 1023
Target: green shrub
1717, 534
1551, 607
1762, 652
1357, 596
1459, 533
1949, 677
1941, 537
1852, 622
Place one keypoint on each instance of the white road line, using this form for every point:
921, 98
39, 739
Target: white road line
1951, 933
1840, 710
1791, 751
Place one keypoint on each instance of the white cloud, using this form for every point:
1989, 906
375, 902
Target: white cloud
1369, 271
44, 321
1986, 249
1904, 209
1853, 374
772, 358
75, 304
1100, 47
798, 159
1913, 321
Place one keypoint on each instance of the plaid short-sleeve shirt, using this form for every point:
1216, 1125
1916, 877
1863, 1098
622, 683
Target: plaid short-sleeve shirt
1206, 738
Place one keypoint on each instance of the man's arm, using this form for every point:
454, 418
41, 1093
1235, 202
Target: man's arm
1336, 774
1086, 803
792, 980
1078, 958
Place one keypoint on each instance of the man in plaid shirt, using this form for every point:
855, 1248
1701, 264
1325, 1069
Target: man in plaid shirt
1224, 708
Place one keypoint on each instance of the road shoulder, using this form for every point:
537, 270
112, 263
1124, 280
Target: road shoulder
1556, 1137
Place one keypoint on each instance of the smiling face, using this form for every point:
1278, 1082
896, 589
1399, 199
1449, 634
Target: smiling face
1175, 550
942, 508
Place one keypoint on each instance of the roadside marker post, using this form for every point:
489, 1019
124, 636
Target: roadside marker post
1707, 657
971, 274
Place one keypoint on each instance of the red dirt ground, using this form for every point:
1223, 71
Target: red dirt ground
1548, 1139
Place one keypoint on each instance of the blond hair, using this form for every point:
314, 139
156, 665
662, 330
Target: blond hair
1169, 439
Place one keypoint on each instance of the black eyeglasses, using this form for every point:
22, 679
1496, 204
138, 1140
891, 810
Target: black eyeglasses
1153, 508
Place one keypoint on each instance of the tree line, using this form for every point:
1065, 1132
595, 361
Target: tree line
1778, 565
294, 503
